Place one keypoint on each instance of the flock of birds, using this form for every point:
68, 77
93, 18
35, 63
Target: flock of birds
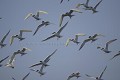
44, 63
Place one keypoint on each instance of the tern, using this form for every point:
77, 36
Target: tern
3, 39
45, 61
118, 54
97, 78
74, 40
36, 16
90, 38
44, 23
56, 34
106, 47
74, 75
23, 77
19, 36
69, 14
3, 60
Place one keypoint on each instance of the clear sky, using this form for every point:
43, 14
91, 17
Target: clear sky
89, 60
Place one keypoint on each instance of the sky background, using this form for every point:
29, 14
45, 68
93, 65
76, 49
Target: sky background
89, 60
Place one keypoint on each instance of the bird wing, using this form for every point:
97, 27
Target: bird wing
75, 10
115, 55
48, 38
97, 4
48, 58
84, 43
26, 76
35, 65
61, 1
28, 15
61, 20
87, 2
109, 43
67, 42
5, 37
90, 76
21, 31
11, 60
62, 28
77, 35
4, 59
11, 40
102, 73
38, 28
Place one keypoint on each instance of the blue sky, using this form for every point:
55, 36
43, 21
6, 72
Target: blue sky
89, 60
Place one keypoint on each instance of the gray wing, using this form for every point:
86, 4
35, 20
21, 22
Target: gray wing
102, 73
48, 38
12, 39
87, 2
21, 31
4, 59
26, 76
5, 36
62, 28
28, 15
38, 28
61, 1
115, 55
37, 14
97, 4
67, 42
90, 76
12, 58
84, 43
35, 65
61, 20
109, 43
48, 58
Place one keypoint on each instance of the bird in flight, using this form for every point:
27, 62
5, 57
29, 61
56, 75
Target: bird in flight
118, 54
3, 60
45, 61
90, 38
56, 34
69, 14
35, 16
74, 40
106, 46
74, 75
44, 23
19, 36
99, 77
3, 39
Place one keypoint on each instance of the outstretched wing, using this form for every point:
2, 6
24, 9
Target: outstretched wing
41, 12
87, 2
75, 10
48, 38
12, 39
102, 73
109, 43
97, 4
48, 58
67, 42
5, 36
61, 20
84, 43
26, 76
21, 31
4, 59
35, 65
28, 15
90, 76
115, 55
77, 35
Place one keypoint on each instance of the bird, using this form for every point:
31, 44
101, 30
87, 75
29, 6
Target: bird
56, 34
74, 40
69, 14
106, 46
3, 60
62, 1
36, 16
11, 61
74, 75
90, 38
3, 39
99, 77
45, 61
44, 23
118, 54
23, 77
19, 36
